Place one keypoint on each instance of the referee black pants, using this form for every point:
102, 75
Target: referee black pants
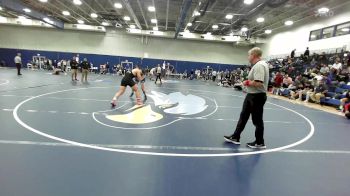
18, 66
254, 105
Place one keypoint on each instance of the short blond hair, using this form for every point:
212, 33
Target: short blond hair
256, 51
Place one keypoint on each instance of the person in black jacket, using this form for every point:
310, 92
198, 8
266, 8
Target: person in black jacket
74, 67
85, 66
307, 52
292, 54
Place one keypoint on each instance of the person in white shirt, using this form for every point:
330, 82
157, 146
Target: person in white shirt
256, 88
18, 62
337, 65
214, 75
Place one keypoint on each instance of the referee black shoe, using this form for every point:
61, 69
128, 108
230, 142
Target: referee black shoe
255, 145
231, 139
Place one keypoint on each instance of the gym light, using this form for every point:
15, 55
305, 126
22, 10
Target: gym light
27, 10
229, 16
268, 31
248, 2
155, 28
93, 15
77, 2
345, 29
215, 26
118, 5
244, 29
105, 23
153, 20
0, 8
196, 13
289, 22
151, 9
43, 1
323, 10
80, 21
66, 13
132, 26
261, 19
189, 24
126, 18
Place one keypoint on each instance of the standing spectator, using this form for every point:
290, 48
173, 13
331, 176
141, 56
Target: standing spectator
307, 52
159, 73
214, 75
64, 65
107, 68
74, 67
18, 62
292, 54
77, 58
85, 65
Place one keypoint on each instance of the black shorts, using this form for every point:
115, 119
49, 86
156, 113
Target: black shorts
127, 81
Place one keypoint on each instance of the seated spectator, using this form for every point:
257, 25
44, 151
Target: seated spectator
337, 65
324, 69
320, 90
277, 82
287, 81
344, 100
347, 110
296, 87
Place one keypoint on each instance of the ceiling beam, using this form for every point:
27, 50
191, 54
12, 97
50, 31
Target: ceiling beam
143, 15
132, 13
155, 13
184, 10
167, 15
72, 11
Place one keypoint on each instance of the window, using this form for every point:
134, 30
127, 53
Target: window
343, 29
327, 32
315, 35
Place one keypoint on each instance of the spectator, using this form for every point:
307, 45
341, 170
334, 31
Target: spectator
287, 81
319, 92
307, 52
74, 67
337, 65
347, 110
85, 65
292, 54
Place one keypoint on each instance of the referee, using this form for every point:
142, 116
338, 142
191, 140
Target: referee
18, 62
256, 87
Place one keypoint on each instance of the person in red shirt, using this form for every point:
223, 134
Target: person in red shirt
277, 82
347, 110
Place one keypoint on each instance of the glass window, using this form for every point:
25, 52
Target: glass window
315, 35
327, 32
343, 29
